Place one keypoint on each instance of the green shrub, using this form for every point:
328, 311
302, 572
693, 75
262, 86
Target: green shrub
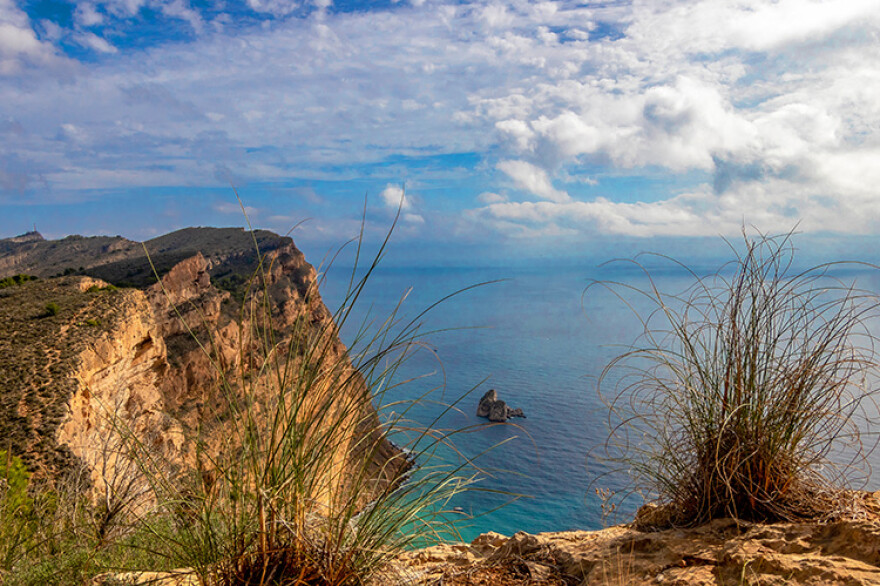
16, 508
742, 388
98, 288
51, 309
15, 280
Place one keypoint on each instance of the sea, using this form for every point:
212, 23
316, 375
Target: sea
541, 337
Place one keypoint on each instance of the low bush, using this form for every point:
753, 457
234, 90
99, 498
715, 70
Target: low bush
744, 395
16, 280
16, 507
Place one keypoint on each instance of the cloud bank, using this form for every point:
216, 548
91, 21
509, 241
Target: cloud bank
753, 111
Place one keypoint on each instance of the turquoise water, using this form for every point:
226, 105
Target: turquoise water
541, 344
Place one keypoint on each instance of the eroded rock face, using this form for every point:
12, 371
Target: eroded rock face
846, 551
496, 410
117, 394
72, 380
139, 355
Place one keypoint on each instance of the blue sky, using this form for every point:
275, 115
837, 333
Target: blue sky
555, 129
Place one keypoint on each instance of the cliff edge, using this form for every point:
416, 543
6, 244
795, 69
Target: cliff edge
124, 345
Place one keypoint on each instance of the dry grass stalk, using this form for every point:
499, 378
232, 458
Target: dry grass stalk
743, 391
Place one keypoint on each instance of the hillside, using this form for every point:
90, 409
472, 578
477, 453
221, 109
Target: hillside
136, 353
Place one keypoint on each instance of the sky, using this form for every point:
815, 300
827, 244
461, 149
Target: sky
501, 131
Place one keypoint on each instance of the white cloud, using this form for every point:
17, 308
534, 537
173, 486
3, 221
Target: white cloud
19, 45
274, 7
124, 8
496, 15
94, 42
393, 196
488, 197
182, 10
756, 110
87, 15
532, 179
236, 209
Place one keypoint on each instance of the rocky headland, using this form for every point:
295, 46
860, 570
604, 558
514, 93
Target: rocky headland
125, 346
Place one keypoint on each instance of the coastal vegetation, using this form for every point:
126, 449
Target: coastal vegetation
290, 496
747, 394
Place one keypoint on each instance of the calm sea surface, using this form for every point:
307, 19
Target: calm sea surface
537, 340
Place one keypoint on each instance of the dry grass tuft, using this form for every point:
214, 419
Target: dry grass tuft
744, 394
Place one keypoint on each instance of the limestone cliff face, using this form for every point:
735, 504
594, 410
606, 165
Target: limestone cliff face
147, 361
117, 396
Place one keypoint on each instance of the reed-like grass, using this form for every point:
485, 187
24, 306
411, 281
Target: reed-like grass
303, 487
744, 395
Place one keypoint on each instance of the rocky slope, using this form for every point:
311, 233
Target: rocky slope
723, 552
134, 357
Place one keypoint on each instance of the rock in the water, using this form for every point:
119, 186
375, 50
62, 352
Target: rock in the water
498, 411
495, 409
485, 403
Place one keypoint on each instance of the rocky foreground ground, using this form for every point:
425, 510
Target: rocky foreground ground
841, 551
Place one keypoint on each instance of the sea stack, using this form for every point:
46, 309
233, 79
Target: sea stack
495, 409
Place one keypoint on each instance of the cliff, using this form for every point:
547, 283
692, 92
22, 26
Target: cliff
132, 360
100, 355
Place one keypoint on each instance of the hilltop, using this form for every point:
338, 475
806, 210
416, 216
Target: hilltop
124, 262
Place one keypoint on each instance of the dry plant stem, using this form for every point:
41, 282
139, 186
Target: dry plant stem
302, 489
742, 387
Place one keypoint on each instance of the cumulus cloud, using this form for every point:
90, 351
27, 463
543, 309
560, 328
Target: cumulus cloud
532, 179
19, 45
87, 15
488, 197
683, 90
393, 196
274, 7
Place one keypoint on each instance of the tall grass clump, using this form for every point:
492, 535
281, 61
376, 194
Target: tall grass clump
296, 482
744, 395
